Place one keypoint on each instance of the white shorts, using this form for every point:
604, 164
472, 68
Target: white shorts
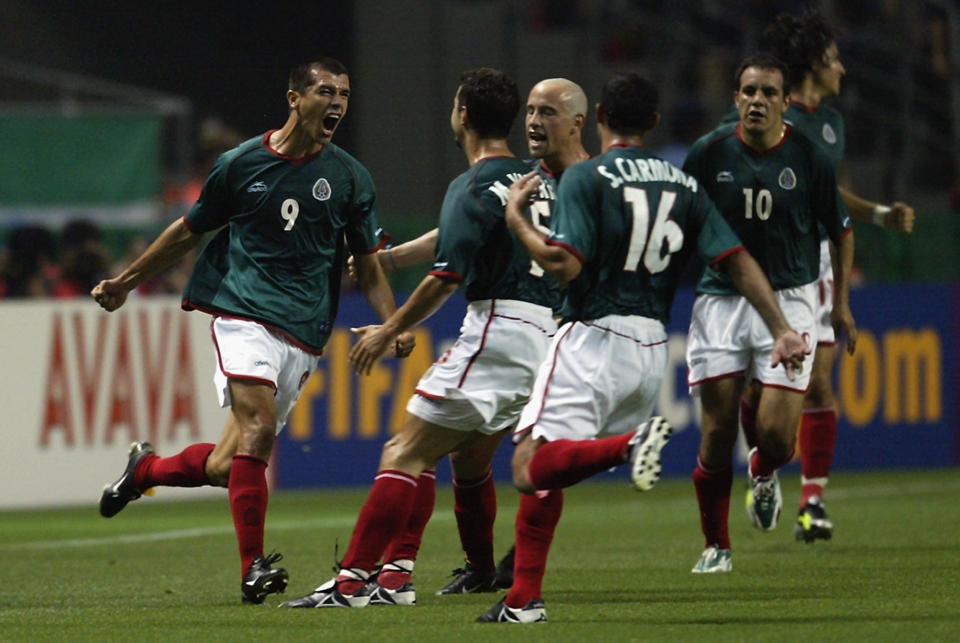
728, 337
485, 378
825, 334
248, 351
601, 377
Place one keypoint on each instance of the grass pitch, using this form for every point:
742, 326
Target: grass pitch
619, 570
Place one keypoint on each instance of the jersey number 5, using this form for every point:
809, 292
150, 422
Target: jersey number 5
663, 238
540, 218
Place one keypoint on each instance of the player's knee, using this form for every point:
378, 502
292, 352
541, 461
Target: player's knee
217, 470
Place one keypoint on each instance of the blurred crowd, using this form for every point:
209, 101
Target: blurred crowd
38, 262
42, 262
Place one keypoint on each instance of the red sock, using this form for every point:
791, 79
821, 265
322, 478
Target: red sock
818, 438
762, 465
247, 489
563, 463
537, 520
406, 546
186, 469
713, 496
475, 506
748, 422
384, 515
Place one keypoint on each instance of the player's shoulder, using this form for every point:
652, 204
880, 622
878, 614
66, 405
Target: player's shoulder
802, 139
335, 153
719, 135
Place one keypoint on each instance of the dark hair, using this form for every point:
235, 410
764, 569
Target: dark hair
491, 99
629, 104
800, 42
763, 60
302, 76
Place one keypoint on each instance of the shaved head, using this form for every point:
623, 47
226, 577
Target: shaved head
566, 92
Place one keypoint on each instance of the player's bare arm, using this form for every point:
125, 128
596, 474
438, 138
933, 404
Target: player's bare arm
789, 348
373, 283
172, 244
842, 316
409, 253
897, 217
560, 263
375, 340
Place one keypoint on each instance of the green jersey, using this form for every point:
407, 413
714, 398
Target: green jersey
474, 245
823, 125
278, 256
773, 200
632, 220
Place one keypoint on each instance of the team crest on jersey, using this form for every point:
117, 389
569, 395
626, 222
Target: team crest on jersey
787, 179
322, 190
828, 134
725, 176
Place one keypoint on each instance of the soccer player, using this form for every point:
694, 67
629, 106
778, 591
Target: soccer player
808, 47
286, 204
478, 388
624, 224
773, 186
556, 113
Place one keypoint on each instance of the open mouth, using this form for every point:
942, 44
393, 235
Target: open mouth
330, 122
536, 136
755, 114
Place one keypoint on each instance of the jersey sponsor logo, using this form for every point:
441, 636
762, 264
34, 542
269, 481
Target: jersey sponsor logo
828, 134
259, 186
787, 179
322, 190
725, 176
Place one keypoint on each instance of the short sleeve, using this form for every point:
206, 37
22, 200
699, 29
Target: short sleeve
363, 232
574, 226
214, 207
464, 224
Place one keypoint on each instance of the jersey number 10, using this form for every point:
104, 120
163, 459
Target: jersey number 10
653, 243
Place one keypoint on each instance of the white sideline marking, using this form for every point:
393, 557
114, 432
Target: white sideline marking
196, 532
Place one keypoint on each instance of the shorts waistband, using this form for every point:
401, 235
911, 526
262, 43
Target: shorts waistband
509, 305
626, 322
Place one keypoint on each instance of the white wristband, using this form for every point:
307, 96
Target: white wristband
880, 214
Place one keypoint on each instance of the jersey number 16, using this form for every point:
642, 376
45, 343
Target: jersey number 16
653, 243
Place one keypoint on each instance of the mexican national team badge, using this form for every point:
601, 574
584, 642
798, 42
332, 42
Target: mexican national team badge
828, 134
787, 179
321, 190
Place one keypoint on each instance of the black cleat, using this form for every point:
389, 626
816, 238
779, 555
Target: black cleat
116, 496
812, 522
469, 581
532, 612
261, 579
505, 569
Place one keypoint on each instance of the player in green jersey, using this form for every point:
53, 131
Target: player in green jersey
774, 186
808, 47
288, 205
556, 113
624, 224
479, 386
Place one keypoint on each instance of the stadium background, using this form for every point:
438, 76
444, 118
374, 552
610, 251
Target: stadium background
106, 111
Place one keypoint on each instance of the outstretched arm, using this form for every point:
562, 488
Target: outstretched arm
375, 288
789, 348
898, 217
374, 340
172, 244
409, 253
556, 260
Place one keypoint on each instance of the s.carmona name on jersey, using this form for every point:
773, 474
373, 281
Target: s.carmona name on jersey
627, 170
